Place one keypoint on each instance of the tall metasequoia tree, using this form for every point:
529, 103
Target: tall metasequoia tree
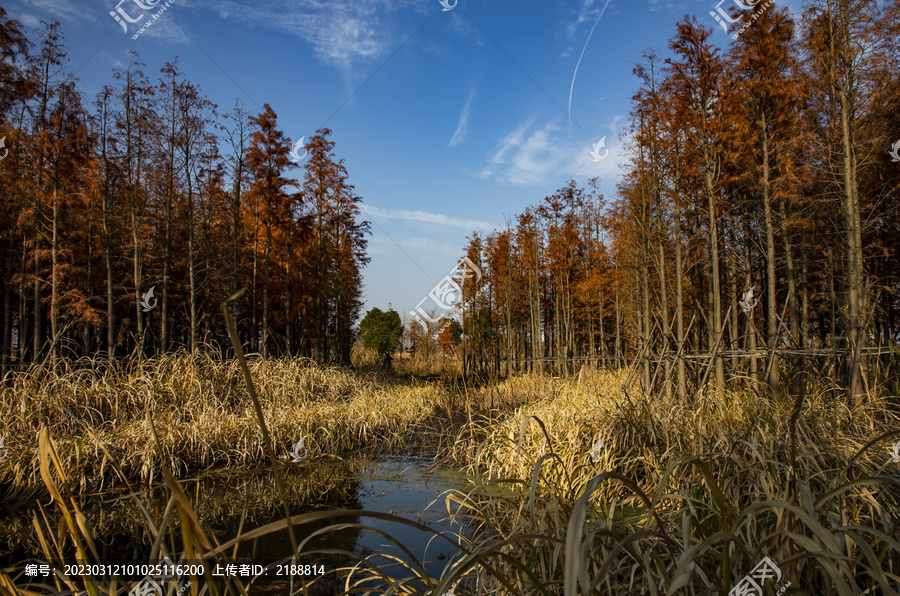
675, 165
195, 114
498, 252
111, 175
476, 315
529, 242
267, 162
319, 180
46, 72
349, 246
15, 90
771, 99
843, 41
239, 141
561, 254
68, 154
213, 204
134, 126
695, 74
170, 96
338, 248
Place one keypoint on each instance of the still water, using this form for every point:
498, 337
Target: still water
402, 485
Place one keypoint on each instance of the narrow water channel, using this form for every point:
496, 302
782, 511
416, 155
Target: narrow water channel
402, 485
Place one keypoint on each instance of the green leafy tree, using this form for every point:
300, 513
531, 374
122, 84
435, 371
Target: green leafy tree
381, 331
456, 332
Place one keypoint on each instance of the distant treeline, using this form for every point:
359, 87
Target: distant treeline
106, 198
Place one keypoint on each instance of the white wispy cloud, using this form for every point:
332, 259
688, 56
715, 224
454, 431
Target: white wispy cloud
526, 156
339, 31
463, 128
532, 155
426, 217
62, 10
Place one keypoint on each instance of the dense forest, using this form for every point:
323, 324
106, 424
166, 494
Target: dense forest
127, 218
758, 216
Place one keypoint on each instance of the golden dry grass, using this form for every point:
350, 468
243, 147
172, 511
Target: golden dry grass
203, 416
685, 496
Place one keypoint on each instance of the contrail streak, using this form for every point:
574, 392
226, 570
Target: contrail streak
572, 87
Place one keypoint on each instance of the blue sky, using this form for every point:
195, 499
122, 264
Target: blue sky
449, 121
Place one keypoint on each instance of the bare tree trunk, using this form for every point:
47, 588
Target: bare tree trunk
320, 276
238, 143
774, 379
54, 290
133, 169
661, 231
714, 265
38, 331
287, 298
804, 309
508, 305
5, 366
645, 314
841, 69
618, 326
751, 329
23, 302
796, 382
537, 349
664, 310
88, 327
191, 265
733, 331
254, 330
265, 313
137, 276
105, 205
679, 279
170, 192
